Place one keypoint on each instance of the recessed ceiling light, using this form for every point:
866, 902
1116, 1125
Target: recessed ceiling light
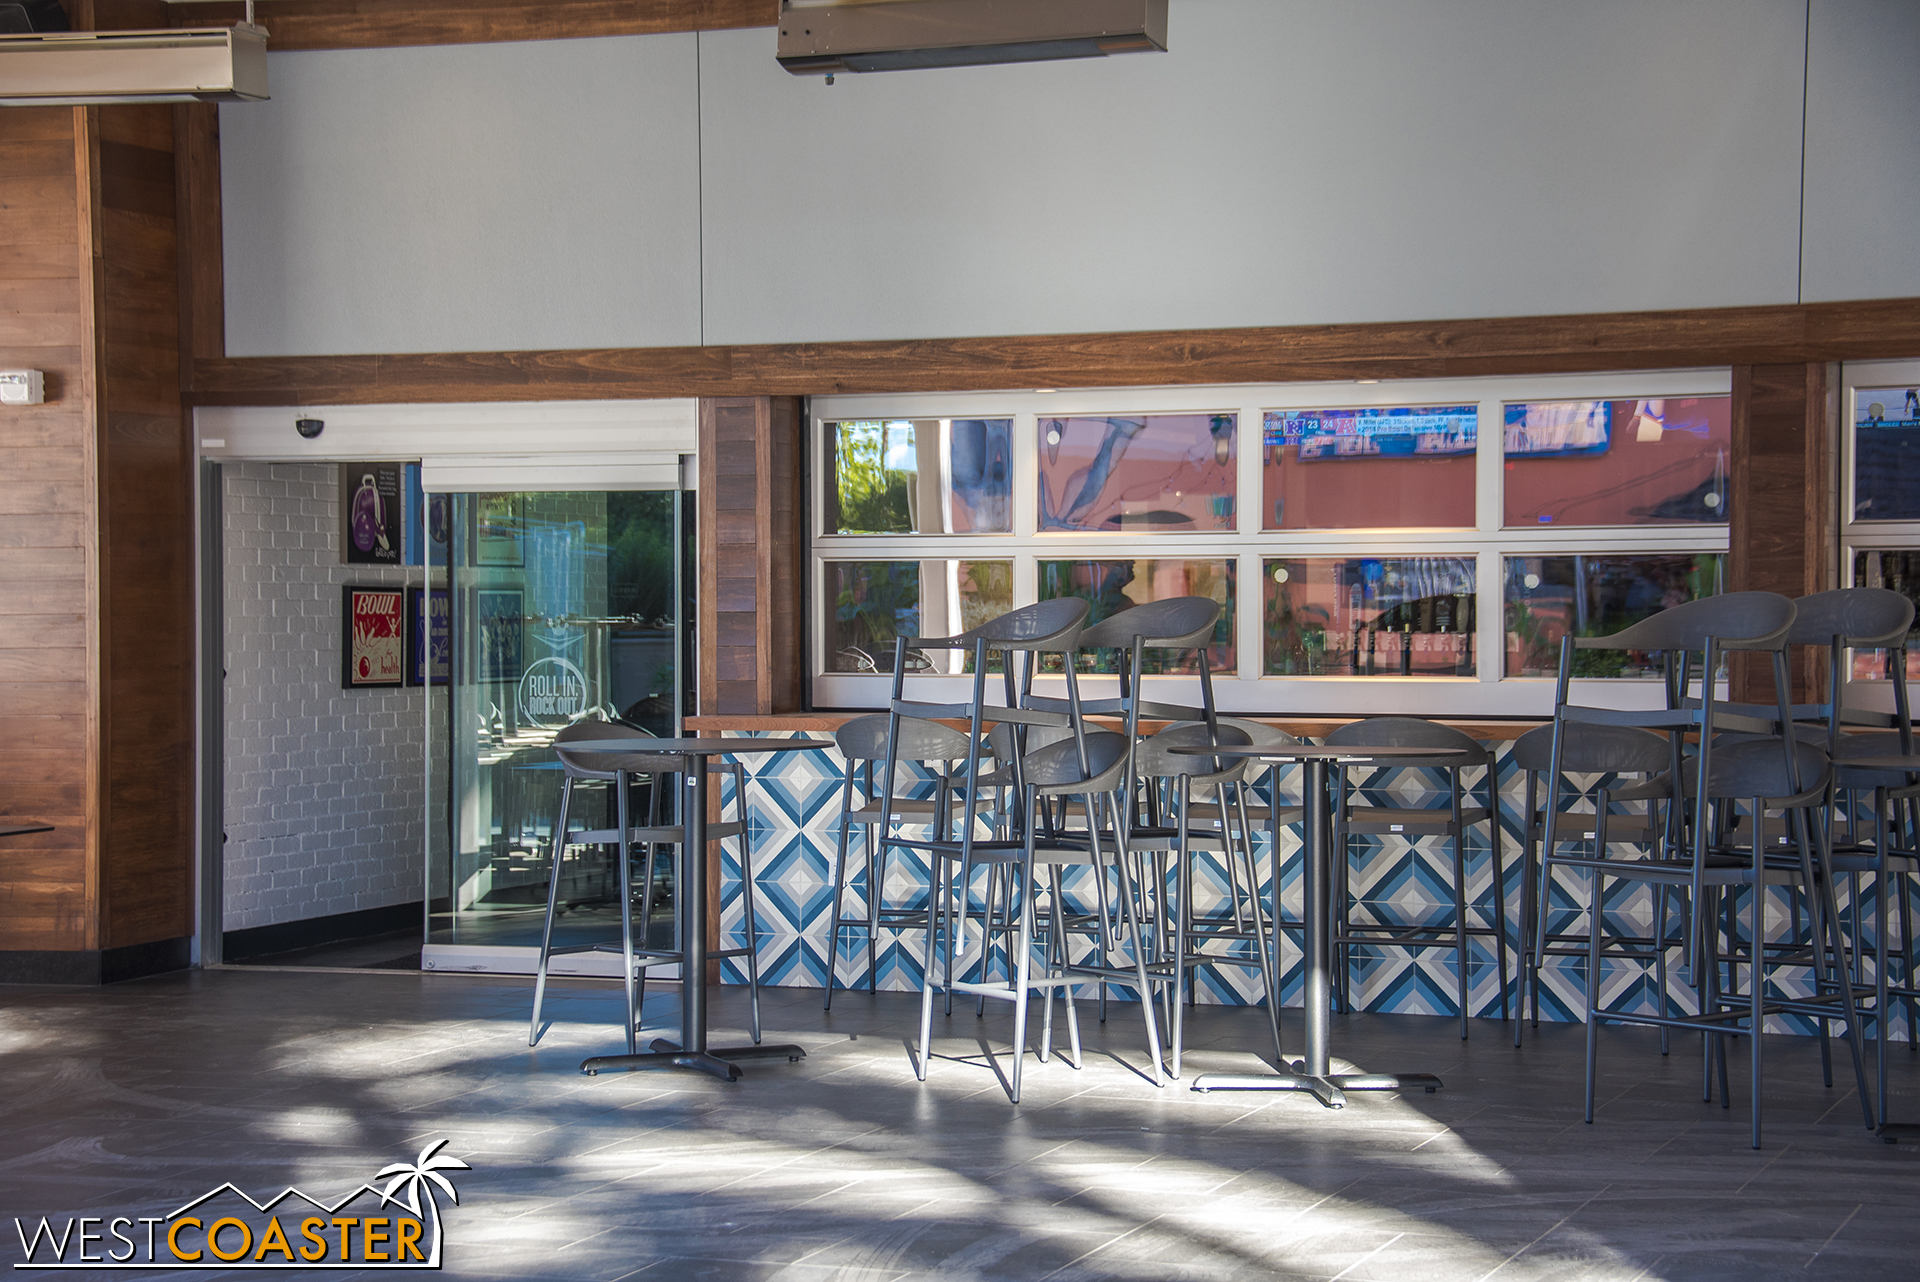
1043, 391
1366, 380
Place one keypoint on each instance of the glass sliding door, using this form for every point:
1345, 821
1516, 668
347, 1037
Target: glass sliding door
564, 606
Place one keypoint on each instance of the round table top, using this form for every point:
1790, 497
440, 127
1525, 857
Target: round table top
1892, 762
691, 747
1311, 752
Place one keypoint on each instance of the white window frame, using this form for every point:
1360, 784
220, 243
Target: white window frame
1868, 536
1246, 690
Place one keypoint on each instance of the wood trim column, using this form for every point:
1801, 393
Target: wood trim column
1783, 483
752, 556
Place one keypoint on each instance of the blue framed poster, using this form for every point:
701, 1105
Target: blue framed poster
429, 637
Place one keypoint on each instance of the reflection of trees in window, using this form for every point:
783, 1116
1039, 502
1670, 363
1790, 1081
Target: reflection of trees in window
640, 556
873, 602
872, 498
1596, 596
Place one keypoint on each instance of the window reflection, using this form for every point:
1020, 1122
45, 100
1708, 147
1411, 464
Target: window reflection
1367, 616
1168, 472
1596, 596
1111, 586
1640, 462
1886, 454
1899, 571
869, 603
920, 476
1341, 469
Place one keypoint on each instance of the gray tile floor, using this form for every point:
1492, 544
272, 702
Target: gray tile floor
134, 1098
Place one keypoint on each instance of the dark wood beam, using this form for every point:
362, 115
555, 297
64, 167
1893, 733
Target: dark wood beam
376, 24
1788, 334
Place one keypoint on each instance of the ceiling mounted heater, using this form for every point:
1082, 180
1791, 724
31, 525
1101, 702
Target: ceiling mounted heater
88, 68
825, 37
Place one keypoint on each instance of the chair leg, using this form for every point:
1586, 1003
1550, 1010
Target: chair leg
747, 894
840, 883
1022, 973
1756, 972
1182, 922
625, 845
1593, 987
553, 903
1460, 927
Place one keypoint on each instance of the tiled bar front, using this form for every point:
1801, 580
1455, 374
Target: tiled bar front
794, 808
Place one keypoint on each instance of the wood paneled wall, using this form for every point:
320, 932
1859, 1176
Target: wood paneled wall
48, 540
95, 544
1782, 537
752, 554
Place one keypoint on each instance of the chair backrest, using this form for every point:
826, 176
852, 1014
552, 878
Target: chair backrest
602, 765
1413, 732
1177, 623
1591, 749
1044, 627
865, 739
1866, 617
1734, 620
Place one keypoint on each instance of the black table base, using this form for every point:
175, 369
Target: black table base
1329, 1090
714, 1060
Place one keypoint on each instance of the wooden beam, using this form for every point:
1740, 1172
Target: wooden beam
1786, 334
376, 24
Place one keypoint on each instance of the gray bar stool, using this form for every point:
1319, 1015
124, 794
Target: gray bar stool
1185, 834
1611, 752
1452, 821
862, 742
619, 771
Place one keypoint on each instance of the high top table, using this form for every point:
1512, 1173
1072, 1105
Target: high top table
1312, 1073
692, 1051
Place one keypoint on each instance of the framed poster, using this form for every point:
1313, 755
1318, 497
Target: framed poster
372, 505
497, 616
429, 637
498, 534
372, 638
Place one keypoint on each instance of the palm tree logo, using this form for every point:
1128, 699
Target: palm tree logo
419, 1177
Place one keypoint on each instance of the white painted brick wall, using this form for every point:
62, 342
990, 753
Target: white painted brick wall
323, 786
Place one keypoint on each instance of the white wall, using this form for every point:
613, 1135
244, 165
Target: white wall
1863, 151
324, 799
1289, 161
465, 198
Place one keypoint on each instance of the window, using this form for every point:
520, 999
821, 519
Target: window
1880, 459
1368, 616
1637, 462
1345, 469
1113, 586
1370, 544
1594, 596
1161, 472
927, 477
869, 603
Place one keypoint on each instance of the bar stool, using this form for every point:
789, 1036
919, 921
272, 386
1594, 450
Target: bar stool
1186, 835
619, 771
1742, 757
1452, 821
862, 742
1611, 752
1086, 763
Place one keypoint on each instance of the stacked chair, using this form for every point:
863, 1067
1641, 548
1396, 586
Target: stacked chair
621, 772
1085, 764
1744, 756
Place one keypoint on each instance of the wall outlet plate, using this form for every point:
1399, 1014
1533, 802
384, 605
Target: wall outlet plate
21, 387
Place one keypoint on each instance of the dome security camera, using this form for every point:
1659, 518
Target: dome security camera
309, 427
